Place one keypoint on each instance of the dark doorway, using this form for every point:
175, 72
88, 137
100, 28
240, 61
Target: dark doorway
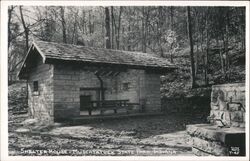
85, 103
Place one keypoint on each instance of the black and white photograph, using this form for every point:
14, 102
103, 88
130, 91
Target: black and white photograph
153, 79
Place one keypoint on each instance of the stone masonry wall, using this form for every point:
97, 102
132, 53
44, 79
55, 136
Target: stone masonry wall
67, 83
143, 88
228, 104
133, 78
152, 92
68, 80
41, 102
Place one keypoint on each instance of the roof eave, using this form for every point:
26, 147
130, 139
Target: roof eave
163, 69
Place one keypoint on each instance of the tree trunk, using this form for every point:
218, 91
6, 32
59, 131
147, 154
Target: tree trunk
172, 18
206, 55
63, 24
196, 42
129, 30
144, 28
196, 60
113, 28
103, 31
10, 10
143, 31
118, 30
227, 39
189, 28
201, 36
107, 26
91, 27
26, 30
242, 20
161, 22
84, 22
74, 30
221, 56
172, 29
89, 23
93, 24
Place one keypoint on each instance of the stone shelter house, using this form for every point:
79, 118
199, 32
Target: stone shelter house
66, 81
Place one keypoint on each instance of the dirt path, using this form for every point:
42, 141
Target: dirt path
158, 135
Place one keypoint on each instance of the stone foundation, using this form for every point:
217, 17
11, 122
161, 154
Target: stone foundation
207, 139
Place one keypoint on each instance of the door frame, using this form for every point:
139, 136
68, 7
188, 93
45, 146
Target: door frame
90, 96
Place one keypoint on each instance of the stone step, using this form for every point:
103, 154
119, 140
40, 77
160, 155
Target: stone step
212, 132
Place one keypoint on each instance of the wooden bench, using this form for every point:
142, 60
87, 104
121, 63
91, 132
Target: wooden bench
110, 105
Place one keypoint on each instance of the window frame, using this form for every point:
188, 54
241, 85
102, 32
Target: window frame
125, 86
35, 88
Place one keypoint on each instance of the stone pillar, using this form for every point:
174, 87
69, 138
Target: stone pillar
228, 104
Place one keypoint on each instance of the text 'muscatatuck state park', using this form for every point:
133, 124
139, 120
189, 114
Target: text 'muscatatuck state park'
126, 81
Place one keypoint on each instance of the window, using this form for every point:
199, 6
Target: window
125, 86
35, 86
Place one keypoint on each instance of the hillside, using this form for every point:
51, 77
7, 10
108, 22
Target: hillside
17, 97
178, 83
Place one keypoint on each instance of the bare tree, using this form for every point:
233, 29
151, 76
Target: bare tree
113, 27
17, 53
226, 42
189, 28
172, 18
62, 9
118, 29
172, 29
197, 26
107, 26
74, 34
10, 11
26, 29
207, 49
145, 15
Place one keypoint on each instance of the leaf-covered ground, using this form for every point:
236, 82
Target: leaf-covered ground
17, 97
154, 135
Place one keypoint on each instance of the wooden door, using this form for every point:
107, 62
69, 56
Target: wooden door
85, 102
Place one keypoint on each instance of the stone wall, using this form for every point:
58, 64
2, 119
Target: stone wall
228, 104
225, 135
41, 102
67, 83
134, 85
133, 78
152, 92
143, 88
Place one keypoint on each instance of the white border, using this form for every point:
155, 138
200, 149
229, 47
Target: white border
4, 78
123, 3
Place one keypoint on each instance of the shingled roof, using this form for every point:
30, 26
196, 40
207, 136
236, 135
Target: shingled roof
51, 51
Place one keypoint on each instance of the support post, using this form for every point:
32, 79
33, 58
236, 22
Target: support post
102, 98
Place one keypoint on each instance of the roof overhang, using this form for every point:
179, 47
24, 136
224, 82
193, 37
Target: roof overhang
156, 69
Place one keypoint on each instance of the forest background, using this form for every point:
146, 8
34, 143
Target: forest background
207, 44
